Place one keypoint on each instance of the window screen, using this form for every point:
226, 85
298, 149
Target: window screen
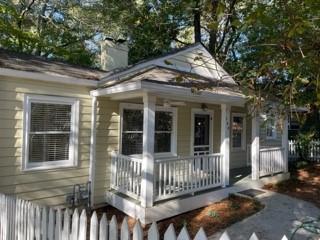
237, 131
50, 131
49, 134
132, 131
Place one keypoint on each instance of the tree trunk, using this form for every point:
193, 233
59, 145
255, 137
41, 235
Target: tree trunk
213, 32
197, 23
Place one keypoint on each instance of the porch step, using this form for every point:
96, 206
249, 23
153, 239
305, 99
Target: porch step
250, 193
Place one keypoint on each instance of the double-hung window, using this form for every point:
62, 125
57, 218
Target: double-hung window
271, 129
238, 131
132, 130
50, 132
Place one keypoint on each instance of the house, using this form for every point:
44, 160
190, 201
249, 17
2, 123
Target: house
154, 139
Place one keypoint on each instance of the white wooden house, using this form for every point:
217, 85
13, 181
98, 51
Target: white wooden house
155, 139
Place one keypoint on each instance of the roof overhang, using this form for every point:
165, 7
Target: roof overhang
47, 77
138, 88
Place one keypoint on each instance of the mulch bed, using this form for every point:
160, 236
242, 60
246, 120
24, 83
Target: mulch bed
212, 218
304, 184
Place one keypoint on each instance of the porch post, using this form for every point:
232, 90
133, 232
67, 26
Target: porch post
285, 142
147, 187
225, 142
92, 169
255, 147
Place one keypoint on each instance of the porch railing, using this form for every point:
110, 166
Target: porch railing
126, 175
179, 176
271, 161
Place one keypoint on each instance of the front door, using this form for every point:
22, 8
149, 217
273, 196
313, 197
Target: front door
201, 133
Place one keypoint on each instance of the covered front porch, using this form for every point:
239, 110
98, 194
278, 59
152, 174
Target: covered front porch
189, 175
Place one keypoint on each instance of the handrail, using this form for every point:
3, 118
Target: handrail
271, 149
115, 154
179, 158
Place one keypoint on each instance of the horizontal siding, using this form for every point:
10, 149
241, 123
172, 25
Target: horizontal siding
107, 141
48, 187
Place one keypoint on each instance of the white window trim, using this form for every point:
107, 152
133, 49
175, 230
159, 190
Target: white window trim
135, 106
274, 128
74, 132
244, 131
201, 111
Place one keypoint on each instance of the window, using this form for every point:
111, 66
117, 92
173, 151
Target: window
238, 131
132, 130
271, 129
50, 132
163, 132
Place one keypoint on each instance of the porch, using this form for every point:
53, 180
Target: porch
163, 166
181, 177
183, 184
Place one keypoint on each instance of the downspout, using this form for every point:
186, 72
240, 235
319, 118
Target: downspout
92, 168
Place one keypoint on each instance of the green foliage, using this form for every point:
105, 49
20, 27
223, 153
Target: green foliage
303, 145
278, 57
49, 28
311, 225
271, 47
213, 214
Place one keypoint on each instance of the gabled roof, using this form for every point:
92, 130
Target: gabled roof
193, 59
34, 64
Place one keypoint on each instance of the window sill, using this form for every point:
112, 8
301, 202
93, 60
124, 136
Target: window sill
48, 167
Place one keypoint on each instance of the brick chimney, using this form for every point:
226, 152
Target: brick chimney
114, 54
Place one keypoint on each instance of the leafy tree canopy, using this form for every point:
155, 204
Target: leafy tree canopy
272, 47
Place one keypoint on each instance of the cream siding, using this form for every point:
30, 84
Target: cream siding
107, 141
51, 186
48, 186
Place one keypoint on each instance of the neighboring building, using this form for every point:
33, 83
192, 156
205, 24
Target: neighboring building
149, 141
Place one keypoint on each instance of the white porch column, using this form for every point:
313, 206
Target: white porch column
147, 188
225, 142
255, 147
92, 169
285, 142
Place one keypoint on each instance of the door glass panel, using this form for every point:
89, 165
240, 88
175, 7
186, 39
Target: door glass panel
201, 130
201, 134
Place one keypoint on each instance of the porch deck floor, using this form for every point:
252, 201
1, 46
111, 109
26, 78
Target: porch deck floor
240, 175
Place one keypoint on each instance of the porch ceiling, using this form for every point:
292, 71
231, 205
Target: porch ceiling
129, 90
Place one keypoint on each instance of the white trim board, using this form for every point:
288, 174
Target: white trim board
174, 112
47, 78
134, 89
72, 161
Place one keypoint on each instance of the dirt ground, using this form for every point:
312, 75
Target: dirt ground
303, 184
212, 218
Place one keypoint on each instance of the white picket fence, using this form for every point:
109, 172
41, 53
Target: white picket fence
24, 220
314, 150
